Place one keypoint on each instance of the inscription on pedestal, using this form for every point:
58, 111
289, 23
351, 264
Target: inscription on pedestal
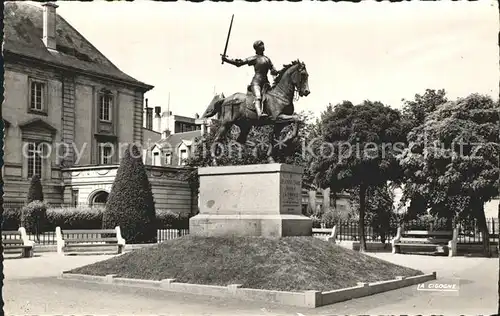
291, 187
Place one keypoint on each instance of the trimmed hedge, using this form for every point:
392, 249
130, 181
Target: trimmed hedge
85, 217
166, 219
426, 222
34, 217
11, 218
80, 217
332, 217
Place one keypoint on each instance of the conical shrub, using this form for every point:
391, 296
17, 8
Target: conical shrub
130, 203
34, 214
35, 192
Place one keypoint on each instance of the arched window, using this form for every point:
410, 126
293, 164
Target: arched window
100, 198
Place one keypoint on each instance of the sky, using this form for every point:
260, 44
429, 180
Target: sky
352, 51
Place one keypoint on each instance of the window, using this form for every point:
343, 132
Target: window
35, 152
37, 96
156, 159
74, 197
181, 127
105, 153
105, 107
168, 158
183, 157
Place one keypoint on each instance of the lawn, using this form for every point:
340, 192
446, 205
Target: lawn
286, 264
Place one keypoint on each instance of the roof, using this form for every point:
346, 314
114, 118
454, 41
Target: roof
184, 118
174, 140
23, 33
150, 138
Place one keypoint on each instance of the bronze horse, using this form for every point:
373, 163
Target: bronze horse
238, 109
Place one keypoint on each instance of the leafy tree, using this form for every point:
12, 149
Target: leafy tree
414, 114
416, 110
130, 204
35, 191
453, 158
359, 150
380, 211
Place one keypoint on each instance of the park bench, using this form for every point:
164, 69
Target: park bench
89, 241
328, 234
438, 240
13, 240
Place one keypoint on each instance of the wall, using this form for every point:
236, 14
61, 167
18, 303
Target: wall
15, 107
15, 111
170, 192
491, 209
126, 117
84, 104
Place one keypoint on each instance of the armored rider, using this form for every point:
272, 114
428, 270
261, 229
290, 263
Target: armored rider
262, 64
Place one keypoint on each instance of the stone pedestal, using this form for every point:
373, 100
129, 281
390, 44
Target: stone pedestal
251, 200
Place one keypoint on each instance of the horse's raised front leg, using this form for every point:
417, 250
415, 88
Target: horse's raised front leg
288, 118
244, 130
218, 140
222, 132
293, 119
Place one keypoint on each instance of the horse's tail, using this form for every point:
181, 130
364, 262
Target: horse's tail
214, 107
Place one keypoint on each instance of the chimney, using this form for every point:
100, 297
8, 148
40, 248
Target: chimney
49, 24
149, 116
157, 119
165, 134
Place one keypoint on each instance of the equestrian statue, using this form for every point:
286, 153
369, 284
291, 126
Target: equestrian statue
262, 104
261, 64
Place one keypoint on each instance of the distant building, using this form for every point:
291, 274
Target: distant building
168, 138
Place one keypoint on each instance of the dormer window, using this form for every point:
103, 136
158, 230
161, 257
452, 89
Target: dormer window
168, 158
156, 159
183, 157
105, 107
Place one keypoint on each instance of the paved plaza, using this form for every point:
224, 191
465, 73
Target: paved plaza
32, 287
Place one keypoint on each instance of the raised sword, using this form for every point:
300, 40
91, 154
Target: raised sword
227, 40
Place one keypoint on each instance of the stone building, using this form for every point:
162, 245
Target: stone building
69, 113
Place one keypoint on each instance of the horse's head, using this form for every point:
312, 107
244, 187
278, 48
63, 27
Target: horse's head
297, 75
294, 74
301, 79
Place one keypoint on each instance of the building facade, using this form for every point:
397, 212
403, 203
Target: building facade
69, 113
168, 138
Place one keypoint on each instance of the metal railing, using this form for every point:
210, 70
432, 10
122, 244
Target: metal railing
468, 230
